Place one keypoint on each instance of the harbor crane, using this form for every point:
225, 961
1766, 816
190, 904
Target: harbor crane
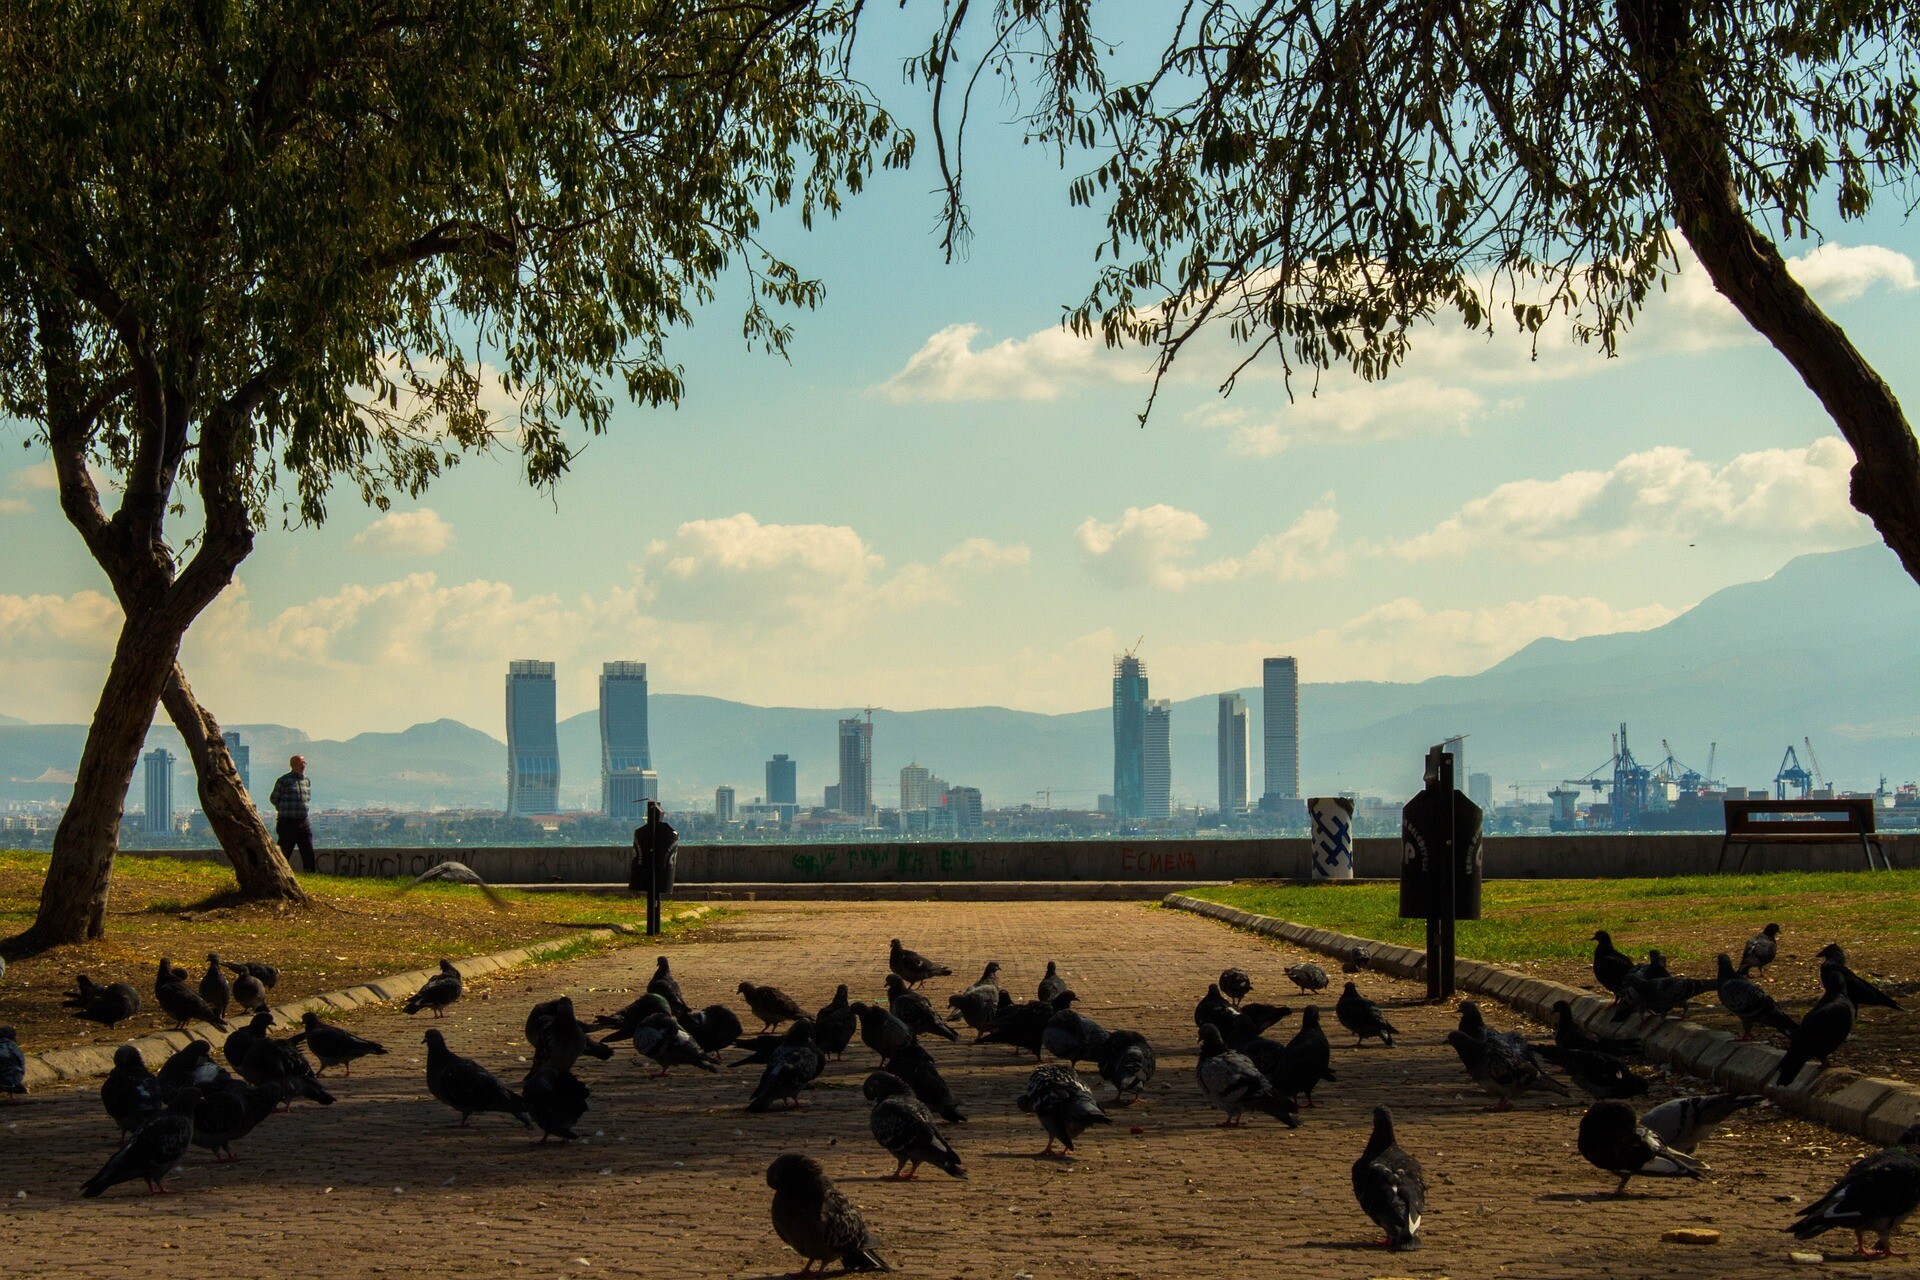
1792, 774
1625, 780
1819, 774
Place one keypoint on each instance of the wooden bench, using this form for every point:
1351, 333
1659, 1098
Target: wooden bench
1750, 822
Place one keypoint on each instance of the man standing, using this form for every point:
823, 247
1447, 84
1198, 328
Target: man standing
290, 798
656, 847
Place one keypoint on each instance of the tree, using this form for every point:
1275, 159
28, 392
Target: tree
252, 252
1324, 178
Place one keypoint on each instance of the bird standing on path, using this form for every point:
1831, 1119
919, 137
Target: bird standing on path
556, 1099
1568, 1035
336, 1046
214, 987
881, 1031
1760, 950
190, 1067
1823, 1030
977, 1004
228, 1111
466, 1086
666, 1042
1235, 984
1127, 1063
1233, 1084
1062, 1103
912, 967
1307, 976
131, 1093
1363, 1017
915, 1065
1684, 1123
1863, 993
816, 1220
902, 1124
1874, 1197
151, 1152
1390, 1185
107, 1005
1051, 984
1498, 1069
916, 1010
769, 1004
667, 987
794, 1064
1614, 1142
1307, 1059
836, 1024
438, 992
180, 1001
1610, 965
1743, 998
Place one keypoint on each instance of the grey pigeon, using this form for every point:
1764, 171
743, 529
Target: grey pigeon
667, 987
1025, 1025
1064, 1106
280, 1067
915, 1065
1233, 1084
1363, 1017
451, 872
1307, 976
559, 1037
1127, 1063
1357, 961
793, 1066
1614, 1142
977, 1004
1743, 998
1610, 965
1308, 1060
237, 1045
1823, 1030
769, 1004
180, 1001
666, 1042
190, 1067
151, 1152
1074, 1036
1052, 984
228, 1111
214, 987
1568, 1035
556, 1099
912, 967
902, 1124
132, 1094
1862, 993
13, 1065
1474, 1024
816, 1220
880, 1030
713, 1028
1601, 1075
1496, 1068
1873, 1197
1646, 990
438, 992
1235, 984
1684, 1123
1760, 951
1390, 1185
1214, 1008
336, 1046
623, 1022
916, 1010
249, 992
107, 1005
265, 974
466, 1086
835, 1026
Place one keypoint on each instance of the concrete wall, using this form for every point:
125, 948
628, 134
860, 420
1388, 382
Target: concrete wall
1551, 857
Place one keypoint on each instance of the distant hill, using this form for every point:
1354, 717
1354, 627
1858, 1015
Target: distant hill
1824, 648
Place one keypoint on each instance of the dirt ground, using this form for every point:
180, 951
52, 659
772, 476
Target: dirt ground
671, 1182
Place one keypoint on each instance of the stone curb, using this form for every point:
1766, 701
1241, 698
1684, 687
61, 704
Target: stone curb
1878, 1110
64, 1066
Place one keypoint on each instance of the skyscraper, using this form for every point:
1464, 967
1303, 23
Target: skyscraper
915, 792
723, 805
1234, 778
533, 739
1129, 738
964, 804
623, 737
242, 760
1280, 728
856, 768
1480, 791
158, 819
1157, 759
783, 781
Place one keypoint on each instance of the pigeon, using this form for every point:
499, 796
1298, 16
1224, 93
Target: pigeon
1498, 1069
1235, 984
1873, 1197
151, 1152
1646, 990
977, 1004
1863, 993
13, 1065
912, 967
1234, 1085
1363, 1017
1127, 1063
240, 1042
1063, 1105
1390, 1185
836, 1024
1601, 1075
228, 1111
816, 1220
338, 1047
1684, 1123
1610, 966
759, 1048
559, 1038
664, 1041
1051, 985
132, 1094
1475, 1025
280, 1067
1614, 1142
109, 1005
214, 987
438, 992
1237, 1025
667, 987
623, 1022
1307, 976
1824, 1029
1357, 961
1074, 1036
191, 1067
916, 1066
796, 1064
1308, 1060
713, 1028
466, 1086
180, 1001
1760, 950
451, 872
916, 1010
880, 1030
902, 1124
1743, 998
249, 992
556, 1099
1025, 1025
1568, 1035
1214, 1008
769, 1004
265, 974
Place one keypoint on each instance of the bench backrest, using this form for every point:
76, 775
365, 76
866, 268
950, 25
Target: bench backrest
1850, 816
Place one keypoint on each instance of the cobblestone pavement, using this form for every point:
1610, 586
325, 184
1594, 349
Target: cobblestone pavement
671, 1183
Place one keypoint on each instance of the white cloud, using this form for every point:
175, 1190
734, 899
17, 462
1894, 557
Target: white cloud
1835, 273
37, 478
14, 506
1664, 493
1346, 410
1155, 546
422, 532
985, 553
948, 367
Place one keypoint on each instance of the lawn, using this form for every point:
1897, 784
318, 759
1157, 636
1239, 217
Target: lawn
357, 929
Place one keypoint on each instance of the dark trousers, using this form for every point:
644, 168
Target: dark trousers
297, 835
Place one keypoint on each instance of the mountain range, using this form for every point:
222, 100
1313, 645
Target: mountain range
1823, 649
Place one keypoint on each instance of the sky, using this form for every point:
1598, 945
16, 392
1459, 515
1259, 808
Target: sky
942, 499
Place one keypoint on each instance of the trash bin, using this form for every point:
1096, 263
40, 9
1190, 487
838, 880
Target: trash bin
1331, 820
1423, 837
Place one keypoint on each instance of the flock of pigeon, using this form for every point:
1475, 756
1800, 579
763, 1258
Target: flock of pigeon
193, 1101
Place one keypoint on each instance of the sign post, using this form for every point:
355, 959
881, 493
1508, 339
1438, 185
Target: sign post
1440, 870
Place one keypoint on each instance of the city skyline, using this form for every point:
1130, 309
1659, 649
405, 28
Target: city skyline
533, 739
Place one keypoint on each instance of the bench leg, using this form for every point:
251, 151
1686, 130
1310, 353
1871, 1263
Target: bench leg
1720, 864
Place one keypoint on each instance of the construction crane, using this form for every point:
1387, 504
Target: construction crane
1713, 749
1792, 774
1819, 774
1625, 780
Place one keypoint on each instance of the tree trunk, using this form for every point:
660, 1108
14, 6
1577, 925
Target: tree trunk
1748, 269
258, 864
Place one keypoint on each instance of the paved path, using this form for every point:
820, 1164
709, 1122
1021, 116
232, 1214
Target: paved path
671, 1183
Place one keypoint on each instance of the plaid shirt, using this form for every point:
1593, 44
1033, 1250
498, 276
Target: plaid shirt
290, 797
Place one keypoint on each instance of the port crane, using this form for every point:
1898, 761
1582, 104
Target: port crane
1819, 774
1792, 774
1625, 780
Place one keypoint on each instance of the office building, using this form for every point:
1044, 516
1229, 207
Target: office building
783, 781
1280, 730
1480, 790
964, 805
915, 790
158, 819
533, 739
830, 797
1457, 748
1129, 738
628, 793
624, 746
1157, 760
1234, 778
723, 806
242, 760
856, 768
